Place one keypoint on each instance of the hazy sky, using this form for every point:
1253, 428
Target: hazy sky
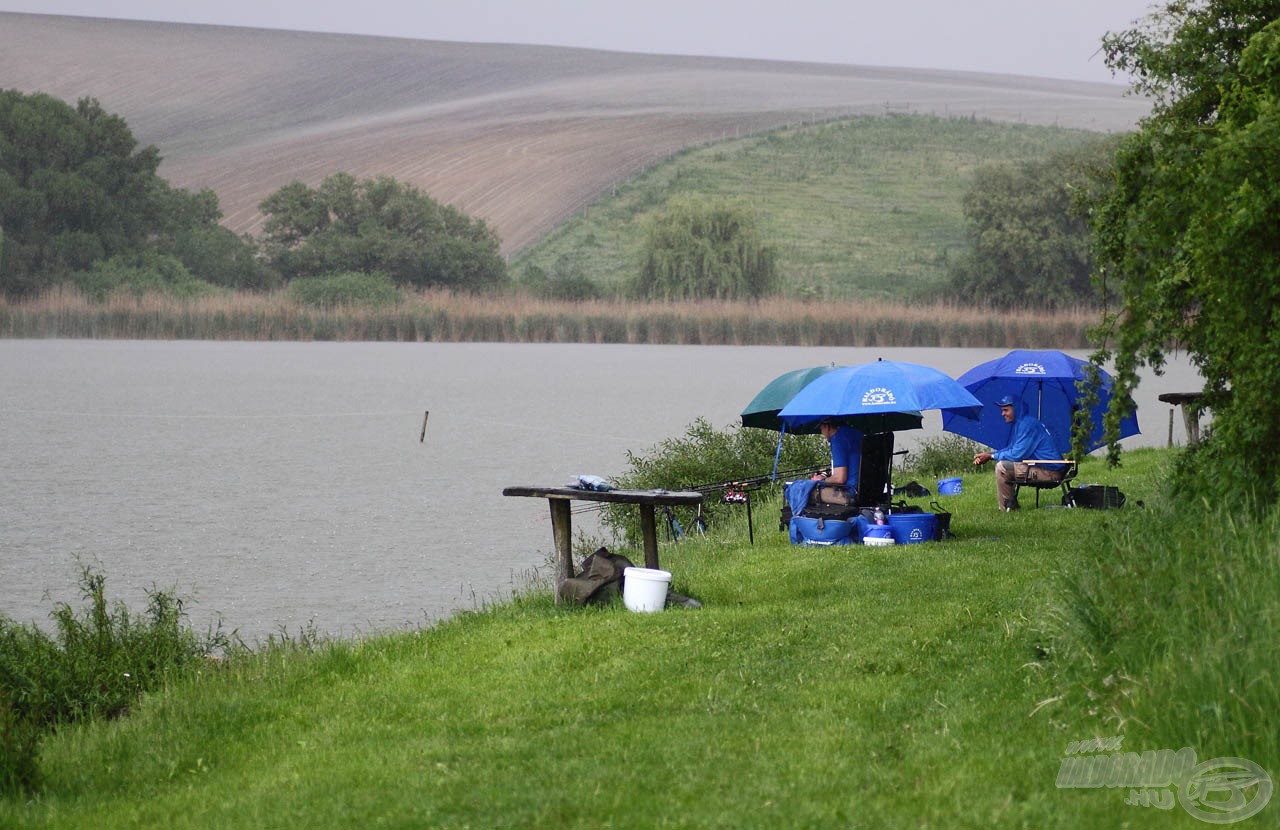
1050, 38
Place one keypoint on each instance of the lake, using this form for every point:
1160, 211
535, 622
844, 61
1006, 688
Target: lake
284, 485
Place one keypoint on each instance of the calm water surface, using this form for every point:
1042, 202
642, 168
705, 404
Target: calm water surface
281, 485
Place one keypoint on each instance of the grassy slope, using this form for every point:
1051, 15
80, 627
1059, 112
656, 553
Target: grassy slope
521, 136
869, 207
816, 688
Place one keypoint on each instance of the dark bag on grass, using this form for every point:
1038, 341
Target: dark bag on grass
600, 579
943, 519
1094, 497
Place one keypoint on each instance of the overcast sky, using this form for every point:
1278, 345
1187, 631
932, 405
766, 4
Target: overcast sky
1049, 38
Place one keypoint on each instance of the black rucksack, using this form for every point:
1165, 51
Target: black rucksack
1094, 497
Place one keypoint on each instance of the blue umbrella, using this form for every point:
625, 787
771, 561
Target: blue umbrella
763, 410
876, 388
1045, 381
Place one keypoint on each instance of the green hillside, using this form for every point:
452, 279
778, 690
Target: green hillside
866, 207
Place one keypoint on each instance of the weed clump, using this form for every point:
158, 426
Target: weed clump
98, 663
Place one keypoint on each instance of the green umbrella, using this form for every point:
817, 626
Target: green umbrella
763, 410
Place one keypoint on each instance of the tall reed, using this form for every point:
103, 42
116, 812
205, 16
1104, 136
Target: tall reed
443, 316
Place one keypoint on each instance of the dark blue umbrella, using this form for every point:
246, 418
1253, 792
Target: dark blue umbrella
1046, 382
880, 388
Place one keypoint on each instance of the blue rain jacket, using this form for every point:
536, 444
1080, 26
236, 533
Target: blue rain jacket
1030, 439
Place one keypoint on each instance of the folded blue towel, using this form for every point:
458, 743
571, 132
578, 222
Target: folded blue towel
797, 494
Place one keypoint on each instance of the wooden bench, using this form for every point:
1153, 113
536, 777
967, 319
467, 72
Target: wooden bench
561, 524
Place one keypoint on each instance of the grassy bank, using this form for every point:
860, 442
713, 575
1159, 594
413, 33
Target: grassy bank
446, 317
928, 685
860, 208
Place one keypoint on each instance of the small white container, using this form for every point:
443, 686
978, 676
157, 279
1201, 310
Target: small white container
644, 590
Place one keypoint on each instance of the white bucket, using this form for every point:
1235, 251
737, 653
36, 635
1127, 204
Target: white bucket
644, 590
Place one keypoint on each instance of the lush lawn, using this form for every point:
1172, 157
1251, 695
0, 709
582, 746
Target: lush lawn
817, 687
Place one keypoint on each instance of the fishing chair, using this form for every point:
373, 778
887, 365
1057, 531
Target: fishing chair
1067, 477
873, 486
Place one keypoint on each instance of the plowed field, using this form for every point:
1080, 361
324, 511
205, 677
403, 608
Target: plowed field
521, 136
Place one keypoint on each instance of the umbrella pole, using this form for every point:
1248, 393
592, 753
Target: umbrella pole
778, 452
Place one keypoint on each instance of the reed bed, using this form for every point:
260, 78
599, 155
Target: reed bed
441, 316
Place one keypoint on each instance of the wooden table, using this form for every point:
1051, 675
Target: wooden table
1191, 404
561, 524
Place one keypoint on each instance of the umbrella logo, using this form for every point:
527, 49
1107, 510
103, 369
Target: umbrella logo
878, 396
1031, 369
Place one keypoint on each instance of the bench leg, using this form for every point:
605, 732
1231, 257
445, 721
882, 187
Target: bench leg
562, 533
649, 531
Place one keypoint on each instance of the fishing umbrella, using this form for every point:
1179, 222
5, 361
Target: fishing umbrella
763, 410
876, 389
1046, 382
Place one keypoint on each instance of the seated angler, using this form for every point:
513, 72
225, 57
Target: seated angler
846, 456
1029, 440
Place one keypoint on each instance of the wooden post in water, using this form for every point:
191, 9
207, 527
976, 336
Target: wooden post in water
422, 436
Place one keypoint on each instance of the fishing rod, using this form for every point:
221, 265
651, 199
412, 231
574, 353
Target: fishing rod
738, 491
754, 482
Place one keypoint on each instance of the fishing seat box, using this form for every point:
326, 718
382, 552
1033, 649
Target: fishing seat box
822, 531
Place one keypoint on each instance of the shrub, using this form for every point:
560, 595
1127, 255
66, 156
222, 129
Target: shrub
19, 743
100, 662
705, 455
139, 274
946, 454
347, 288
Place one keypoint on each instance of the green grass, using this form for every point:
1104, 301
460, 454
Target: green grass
866, 207
920, 685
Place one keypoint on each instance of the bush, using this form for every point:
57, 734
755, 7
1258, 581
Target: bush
99, 663
348, 288
19, 743
139, 274
941, 455
705, 455
566, 282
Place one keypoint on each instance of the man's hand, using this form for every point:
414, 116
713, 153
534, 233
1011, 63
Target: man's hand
982, 458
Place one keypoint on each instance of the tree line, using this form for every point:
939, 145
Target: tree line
81, 203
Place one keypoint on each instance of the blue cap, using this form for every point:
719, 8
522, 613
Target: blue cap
1006, 400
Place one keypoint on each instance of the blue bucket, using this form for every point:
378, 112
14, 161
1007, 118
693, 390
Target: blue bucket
948, 486
913, 528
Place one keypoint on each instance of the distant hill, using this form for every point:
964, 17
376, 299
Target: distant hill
522, 136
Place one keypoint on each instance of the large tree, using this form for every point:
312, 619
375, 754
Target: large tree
706, 248
378, 225
76, 190
1190, 235
1029, 243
